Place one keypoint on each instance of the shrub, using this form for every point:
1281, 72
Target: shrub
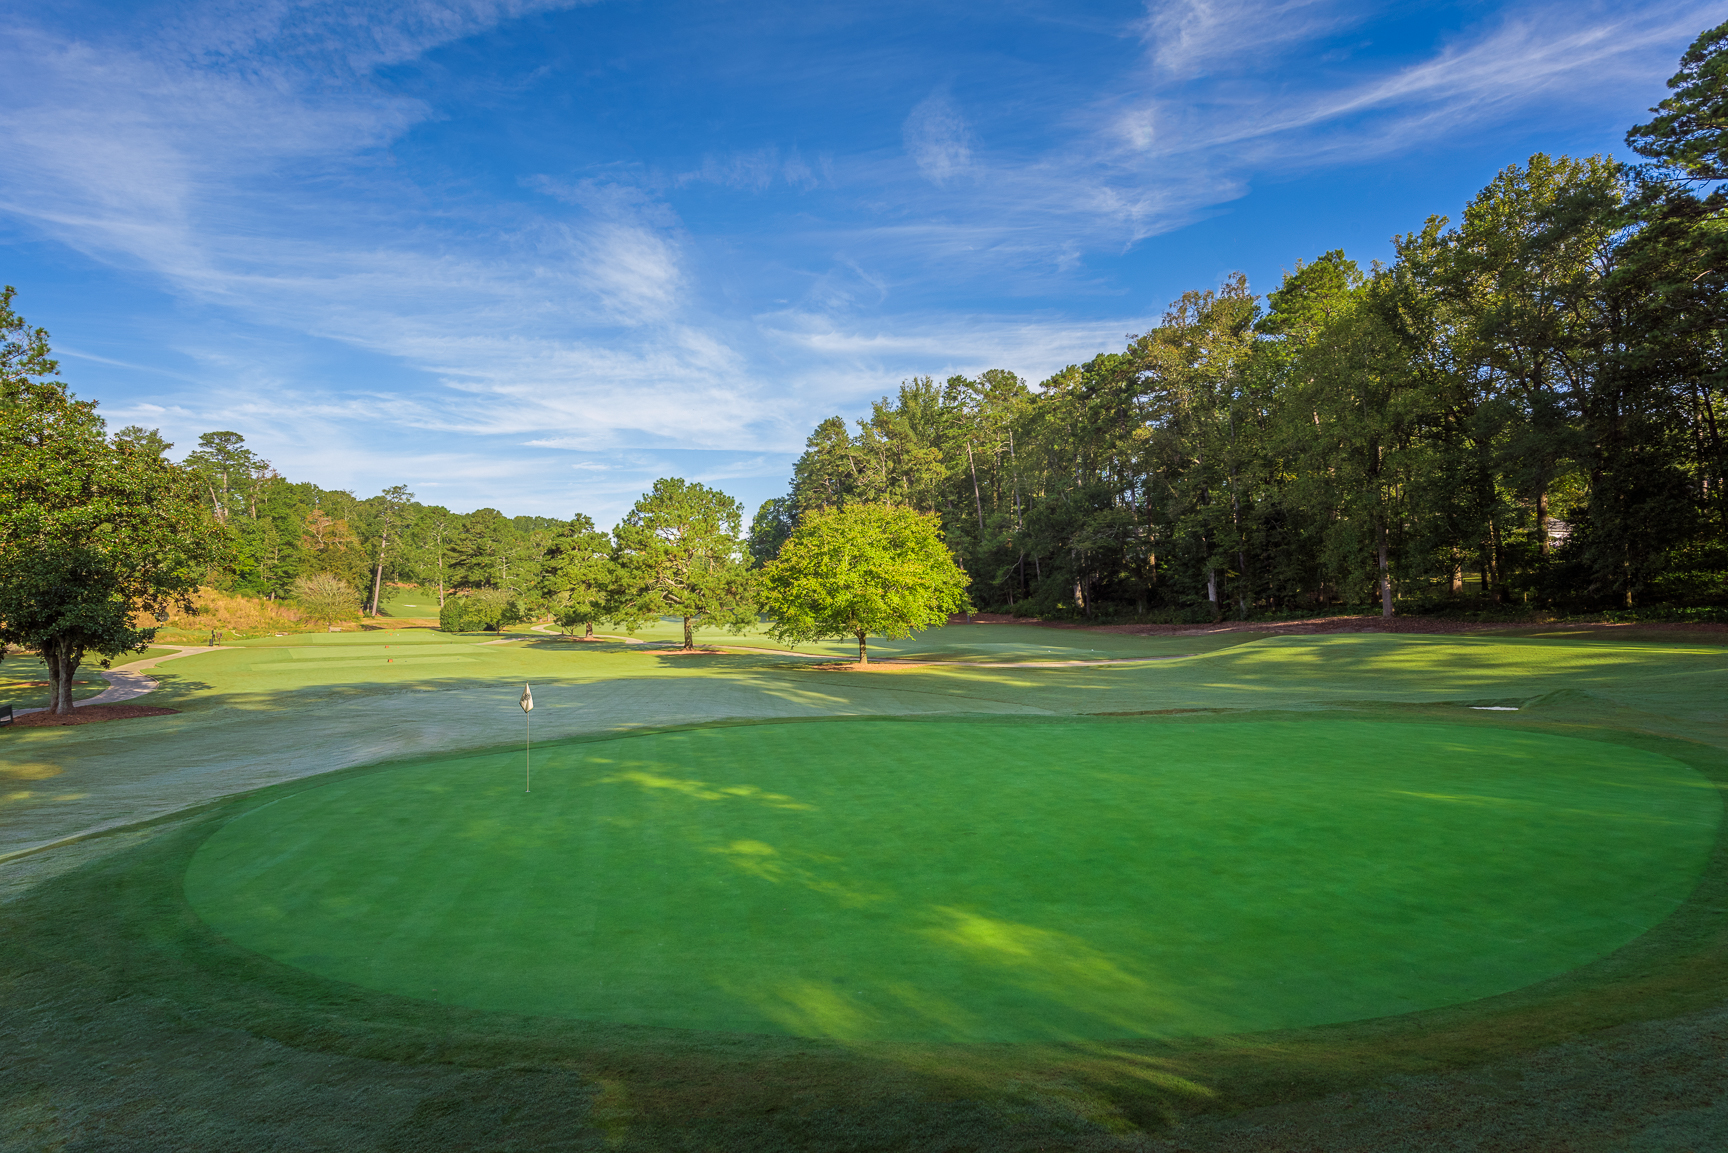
488, 609
324, 598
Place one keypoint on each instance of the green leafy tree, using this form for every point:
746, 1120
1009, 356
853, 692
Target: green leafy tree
1689, 135
577, 574
123, 525
861, 571
480, 553
679, 553
65, 601
772, 524
395, 501
425, 544
140, 439
453, 615
493, 610
228, 468
489, 610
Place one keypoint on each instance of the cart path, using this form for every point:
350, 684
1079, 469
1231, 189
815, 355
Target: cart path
128, 681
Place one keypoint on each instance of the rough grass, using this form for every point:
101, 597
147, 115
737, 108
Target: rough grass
232, 615
131, 1024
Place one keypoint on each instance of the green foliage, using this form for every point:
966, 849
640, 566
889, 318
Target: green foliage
453, 617
1531, 400
1690, 132
390, 507
484, 610
773, 523
63, 601
577, 575
860, 571
493, 609
325, 598
678, 553
119, 523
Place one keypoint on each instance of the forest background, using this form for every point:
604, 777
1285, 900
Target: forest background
1523, 411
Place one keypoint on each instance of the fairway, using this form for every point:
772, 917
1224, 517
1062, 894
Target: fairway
971, 880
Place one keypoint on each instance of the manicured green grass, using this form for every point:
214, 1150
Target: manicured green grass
416, 602
24, 682
148, 654
959, 642
972, 881
131, 1023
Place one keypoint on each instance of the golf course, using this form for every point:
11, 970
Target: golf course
1012, 887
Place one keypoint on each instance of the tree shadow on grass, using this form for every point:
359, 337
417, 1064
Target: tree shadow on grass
133, 1022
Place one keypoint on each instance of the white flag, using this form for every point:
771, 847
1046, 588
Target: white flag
527, 701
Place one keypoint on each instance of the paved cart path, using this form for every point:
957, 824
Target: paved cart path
128, 681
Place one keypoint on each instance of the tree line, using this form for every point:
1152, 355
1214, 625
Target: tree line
1525, 406
100, 532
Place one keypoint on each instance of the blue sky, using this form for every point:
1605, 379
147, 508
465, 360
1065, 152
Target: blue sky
533, 254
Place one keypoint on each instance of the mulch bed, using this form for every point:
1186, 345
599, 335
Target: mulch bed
90, 715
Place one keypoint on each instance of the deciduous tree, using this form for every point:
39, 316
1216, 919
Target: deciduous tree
860, 571
92, 532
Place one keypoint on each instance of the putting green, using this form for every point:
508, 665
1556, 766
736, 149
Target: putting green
972, 880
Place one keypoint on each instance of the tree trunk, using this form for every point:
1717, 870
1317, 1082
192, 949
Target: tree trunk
977, 497
51, 658
1542, 524
1457, 573
1385, 575
378, 580
590, 633
1242, 589
68, 666
1499, 569
61, 666
863, 650
689, 636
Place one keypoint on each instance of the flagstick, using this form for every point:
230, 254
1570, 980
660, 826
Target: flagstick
527, 703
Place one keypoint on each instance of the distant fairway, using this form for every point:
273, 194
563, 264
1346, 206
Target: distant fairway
972, 880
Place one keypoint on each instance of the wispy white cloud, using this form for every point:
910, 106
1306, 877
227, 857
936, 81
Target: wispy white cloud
859, 358
938, 139
198, 166
758, 169
240, 155
1187, 37
1571, 54
1231, 91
